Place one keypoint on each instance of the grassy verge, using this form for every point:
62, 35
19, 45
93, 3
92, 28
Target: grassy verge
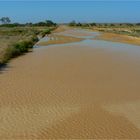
19, 40
19, 48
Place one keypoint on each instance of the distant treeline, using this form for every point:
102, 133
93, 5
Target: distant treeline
78, 24
131, 29
6, 22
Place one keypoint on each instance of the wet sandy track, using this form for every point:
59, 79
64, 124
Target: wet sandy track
77, 90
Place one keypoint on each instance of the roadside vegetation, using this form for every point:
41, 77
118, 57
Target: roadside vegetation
17, 39
119, 28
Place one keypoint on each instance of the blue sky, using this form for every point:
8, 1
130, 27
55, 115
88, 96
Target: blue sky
66, 11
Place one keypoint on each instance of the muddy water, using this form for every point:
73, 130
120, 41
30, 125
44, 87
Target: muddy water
86, 34
88, 89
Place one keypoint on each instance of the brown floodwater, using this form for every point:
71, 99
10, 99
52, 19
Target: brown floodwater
86, 89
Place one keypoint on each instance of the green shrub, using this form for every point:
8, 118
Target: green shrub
34, 39
10, 53
46, 32
19, 48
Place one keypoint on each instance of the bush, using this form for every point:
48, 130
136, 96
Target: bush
46, 32
34, 39
19, 48
11, 52
73, 23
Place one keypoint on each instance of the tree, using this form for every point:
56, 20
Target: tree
138, 24
93, 24
73, 23
29, 24
112, 24
50, 23
79, 24
5, 20
46, 23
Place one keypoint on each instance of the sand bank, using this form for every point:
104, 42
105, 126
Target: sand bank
119, 38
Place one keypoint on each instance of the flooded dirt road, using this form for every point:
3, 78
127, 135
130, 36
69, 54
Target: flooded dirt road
86, 89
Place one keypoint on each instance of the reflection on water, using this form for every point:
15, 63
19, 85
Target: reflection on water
89, 41
80, 33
